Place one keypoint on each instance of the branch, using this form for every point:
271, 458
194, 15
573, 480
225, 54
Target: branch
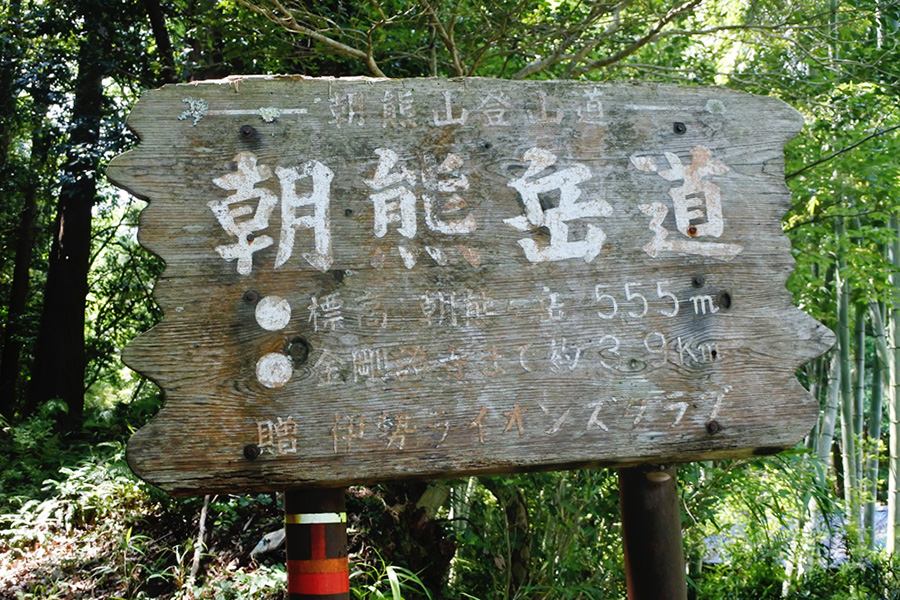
837, 153
539, 65
446, 36
821, 218
497, 33
201, 541
570, 38
290, 23
649, 37
112, 231
150, 304
794, 25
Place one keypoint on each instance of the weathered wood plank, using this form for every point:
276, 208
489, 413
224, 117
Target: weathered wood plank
374, 279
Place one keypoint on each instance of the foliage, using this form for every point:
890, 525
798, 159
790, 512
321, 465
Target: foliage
751, 572
119, 302
743, 522
381, 581
262, 583
573, 517
99, 528
875, 579
496, 39
66, 491
31, 453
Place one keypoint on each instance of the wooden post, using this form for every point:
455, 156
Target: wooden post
315, 524
651, 533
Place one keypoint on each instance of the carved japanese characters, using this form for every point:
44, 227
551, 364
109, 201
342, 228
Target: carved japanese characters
373, 279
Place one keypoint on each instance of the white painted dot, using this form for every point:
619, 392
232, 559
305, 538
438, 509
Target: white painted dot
274, 370
273, 313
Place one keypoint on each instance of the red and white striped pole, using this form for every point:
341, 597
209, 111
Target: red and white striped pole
315, 524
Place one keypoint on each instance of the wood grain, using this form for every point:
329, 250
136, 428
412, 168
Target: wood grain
476, 282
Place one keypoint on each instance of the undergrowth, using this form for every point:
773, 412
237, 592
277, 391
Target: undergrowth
75, 523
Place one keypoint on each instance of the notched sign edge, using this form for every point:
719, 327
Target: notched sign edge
791, 123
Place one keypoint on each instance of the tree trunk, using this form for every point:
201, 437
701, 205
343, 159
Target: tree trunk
60, 354
18, 296
823, 453
859, 419
893, 532
859, 349
873, 431
829, 418
163, 43
9, 71
848, 412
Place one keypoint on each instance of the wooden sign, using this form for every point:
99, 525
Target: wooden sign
375, 279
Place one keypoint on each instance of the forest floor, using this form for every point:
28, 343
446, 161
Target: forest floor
142, 557
53, 561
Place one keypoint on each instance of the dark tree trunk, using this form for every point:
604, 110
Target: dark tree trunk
10, 57
14, 329
60, 354
163, 42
